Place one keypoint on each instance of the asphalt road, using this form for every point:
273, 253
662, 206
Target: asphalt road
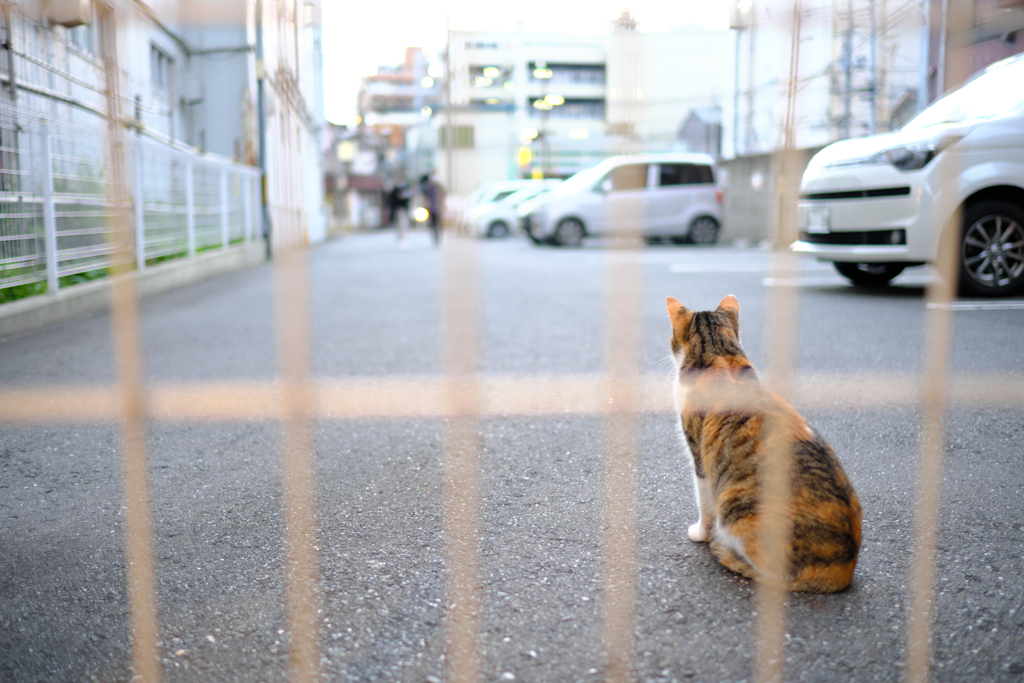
217, 493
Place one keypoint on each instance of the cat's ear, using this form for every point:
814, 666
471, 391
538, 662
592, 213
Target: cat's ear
679, 315
730, 306
730, 302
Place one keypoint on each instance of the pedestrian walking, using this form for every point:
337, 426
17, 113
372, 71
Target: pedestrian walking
434, 194
398, 210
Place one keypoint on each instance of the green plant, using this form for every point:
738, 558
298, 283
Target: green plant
22, 291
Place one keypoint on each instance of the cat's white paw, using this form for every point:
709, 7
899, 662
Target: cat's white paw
698, 532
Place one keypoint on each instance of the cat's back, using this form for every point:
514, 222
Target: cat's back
823, 511
825, 516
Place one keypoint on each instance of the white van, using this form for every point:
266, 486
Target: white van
665, 195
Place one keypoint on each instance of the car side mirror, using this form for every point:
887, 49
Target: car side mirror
606, 185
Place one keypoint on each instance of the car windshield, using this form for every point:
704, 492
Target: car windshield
581, 181
517, 198
501, 194
995, 92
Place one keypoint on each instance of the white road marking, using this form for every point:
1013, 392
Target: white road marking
980, 306
919, 280
724, 267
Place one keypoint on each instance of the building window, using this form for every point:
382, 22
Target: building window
575, 108
567, 74
160, 65
463, 137
81, 37
489, 76
492, 104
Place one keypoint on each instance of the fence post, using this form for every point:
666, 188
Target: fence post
49, 215
246, 182
224, 237
190, 207
140, 224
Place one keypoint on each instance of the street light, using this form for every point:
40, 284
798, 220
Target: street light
542, 73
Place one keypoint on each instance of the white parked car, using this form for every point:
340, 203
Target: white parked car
876, 205
497, 218
654, 195
486, 192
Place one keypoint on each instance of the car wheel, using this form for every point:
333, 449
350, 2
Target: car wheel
498, 229
992, 249
869, 274
704, 230
569, 233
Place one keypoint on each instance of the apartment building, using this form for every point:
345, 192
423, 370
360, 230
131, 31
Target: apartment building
548, 105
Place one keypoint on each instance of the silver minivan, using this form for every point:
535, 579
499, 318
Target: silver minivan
670, 195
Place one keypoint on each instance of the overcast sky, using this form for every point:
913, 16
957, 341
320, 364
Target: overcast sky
360, 36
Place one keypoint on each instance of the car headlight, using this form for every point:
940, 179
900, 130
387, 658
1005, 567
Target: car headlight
914, 157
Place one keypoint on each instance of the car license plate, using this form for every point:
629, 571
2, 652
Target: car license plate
818, 218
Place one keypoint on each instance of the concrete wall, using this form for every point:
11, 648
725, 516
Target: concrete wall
751, 188
77, 301
218, 118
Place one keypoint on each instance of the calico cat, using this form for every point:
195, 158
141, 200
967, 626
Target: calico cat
727, 444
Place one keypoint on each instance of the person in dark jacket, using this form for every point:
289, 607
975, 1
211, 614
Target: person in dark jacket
398, 209
434, 194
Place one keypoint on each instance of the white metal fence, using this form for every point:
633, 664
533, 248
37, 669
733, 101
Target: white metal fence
54, 200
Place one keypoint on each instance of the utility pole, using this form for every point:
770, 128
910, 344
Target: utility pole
873, 85
449, 114
940, 83
848, 69
736, 99
751, 136
923, 95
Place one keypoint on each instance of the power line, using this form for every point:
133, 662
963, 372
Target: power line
893, 18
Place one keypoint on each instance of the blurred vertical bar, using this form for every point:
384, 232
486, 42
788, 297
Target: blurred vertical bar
130, 390
302, 575
782, 334
937, 348
460, 330
624, 325
956, 67
623, 306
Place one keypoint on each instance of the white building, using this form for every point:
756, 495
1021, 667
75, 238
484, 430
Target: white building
553, 104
